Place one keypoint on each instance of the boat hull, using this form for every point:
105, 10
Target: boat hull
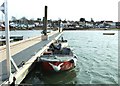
67, 65
108, 33
59, 57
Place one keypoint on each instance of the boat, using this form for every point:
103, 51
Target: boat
108, 33
57, 59
3, 41
14, 37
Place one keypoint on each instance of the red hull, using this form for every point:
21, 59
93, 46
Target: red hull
57, 60
65, 65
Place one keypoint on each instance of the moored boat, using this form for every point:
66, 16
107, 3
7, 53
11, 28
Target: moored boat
57, 59
108, 33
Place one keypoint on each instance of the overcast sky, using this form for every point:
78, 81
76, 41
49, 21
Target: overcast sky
64, 9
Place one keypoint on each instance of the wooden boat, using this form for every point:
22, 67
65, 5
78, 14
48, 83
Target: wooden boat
108, 33
14, 37
56, 60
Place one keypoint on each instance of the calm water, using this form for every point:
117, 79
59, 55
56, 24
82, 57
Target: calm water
97, 60
26, 34
97, 56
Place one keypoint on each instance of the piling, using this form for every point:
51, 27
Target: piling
45, 36
45, 22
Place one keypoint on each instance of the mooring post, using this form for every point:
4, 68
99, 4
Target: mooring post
45, 20
59, 25
45, 37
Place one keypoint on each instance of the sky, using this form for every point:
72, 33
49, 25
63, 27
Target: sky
63, 9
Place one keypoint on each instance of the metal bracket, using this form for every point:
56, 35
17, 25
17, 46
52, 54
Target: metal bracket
14, 64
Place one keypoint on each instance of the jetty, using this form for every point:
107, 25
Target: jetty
17, 58
24, 53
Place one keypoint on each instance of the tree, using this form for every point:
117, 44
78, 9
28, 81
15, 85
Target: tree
13, 18
82, 20
92, 20
31, 21
24, 20
38, 19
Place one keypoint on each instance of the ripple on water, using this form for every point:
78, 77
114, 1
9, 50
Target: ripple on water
97, 59
83, 77
105, 76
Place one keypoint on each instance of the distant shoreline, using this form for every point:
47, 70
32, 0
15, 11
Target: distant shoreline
13, 29
93, 29
40, 28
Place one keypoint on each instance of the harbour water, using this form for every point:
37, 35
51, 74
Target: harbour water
97, 60
97, 56
25, 33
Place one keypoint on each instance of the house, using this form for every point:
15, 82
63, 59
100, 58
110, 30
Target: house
109, 24
89, 24
2, 26
65, 24
117, 24
82, 24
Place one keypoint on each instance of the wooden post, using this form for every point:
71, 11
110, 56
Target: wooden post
45, 21
45, 37
59, 25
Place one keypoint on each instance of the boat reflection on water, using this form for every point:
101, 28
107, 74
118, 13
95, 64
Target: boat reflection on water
65, 77
38, 77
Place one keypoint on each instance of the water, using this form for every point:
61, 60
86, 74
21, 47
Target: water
97, 60
25, 33
97, 56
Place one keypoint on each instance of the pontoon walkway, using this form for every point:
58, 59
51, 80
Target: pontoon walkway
24, 52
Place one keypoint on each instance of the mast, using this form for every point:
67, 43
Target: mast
7, 34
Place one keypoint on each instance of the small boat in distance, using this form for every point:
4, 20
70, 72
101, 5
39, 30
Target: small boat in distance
108, 33
58, 57
14, 37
